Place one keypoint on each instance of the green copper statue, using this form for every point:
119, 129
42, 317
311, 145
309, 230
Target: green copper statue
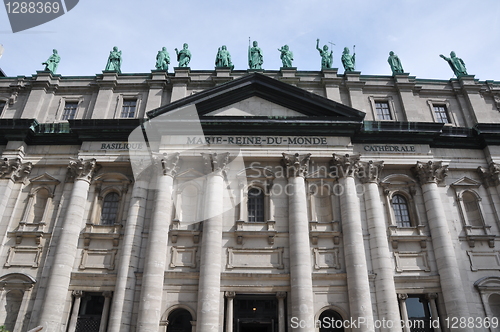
349, 61
114, 60
223, 58
395, 63
52, 62
162, 59
255, 57
286, 56
326, 58
456, 64
184, 56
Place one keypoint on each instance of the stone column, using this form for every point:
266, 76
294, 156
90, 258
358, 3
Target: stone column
229, 311
431, 297
105, 311
404, 313
358, 285
81, 172
21, 315
302, 296
429, 175
209, 306
150, 304
281, 311
385, 289
77, 294
123, 297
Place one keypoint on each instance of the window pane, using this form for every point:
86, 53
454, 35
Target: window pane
255, 205
383, 112
441, 114
401, 213
69, 111
128, 108
109, 209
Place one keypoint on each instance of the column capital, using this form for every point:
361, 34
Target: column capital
296, 165
369, 171
230, 294
431, 296
216, 163
169, 163
77, 293
281, 295
345, 165
107, 294
14, 169
430, 172
402, 297
490, 175
79, 169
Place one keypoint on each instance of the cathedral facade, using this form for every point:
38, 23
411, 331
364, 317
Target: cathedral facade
264, 201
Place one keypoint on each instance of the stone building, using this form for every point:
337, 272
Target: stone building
249, 201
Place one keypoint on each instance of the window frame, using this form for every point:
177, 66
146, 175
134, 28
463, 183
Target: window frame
121, 98
66, 103
260, 207
401, 223
117, 205
389, 100
433, 103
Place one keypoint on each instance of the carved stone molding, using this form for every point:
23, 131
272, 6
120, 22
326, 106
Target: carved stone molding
402, 297
296, 164
345, 165
77, 293
14, 169
430, 172
216, 163
79, 169
490, 175
230, 294
168, 164
370, 171
281, 295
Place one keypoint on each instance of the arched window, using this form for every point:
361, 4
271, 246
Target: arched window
401, 211
255, 205
494, 302
330, 321
472, 211
179, 320
110, 208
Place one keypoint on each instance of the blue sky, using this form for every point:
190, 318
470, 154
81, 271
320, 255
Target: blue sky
416, 30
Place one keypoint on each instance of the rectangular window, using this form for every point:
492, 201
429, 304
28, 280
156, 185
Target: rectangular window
383, 111
441, 114
69, 111
128, 108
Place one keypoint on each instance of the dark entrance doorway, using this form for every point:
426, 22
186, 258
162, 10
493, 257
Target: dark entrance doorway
255, 313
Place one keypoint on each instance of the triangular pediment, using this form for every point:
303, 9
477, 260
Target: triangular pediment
255, 106
466, 182
242, 96
45, 178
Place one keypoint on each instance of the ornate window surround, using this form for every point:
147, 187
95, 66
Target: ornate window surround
472, 233
385, 99
401, 184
